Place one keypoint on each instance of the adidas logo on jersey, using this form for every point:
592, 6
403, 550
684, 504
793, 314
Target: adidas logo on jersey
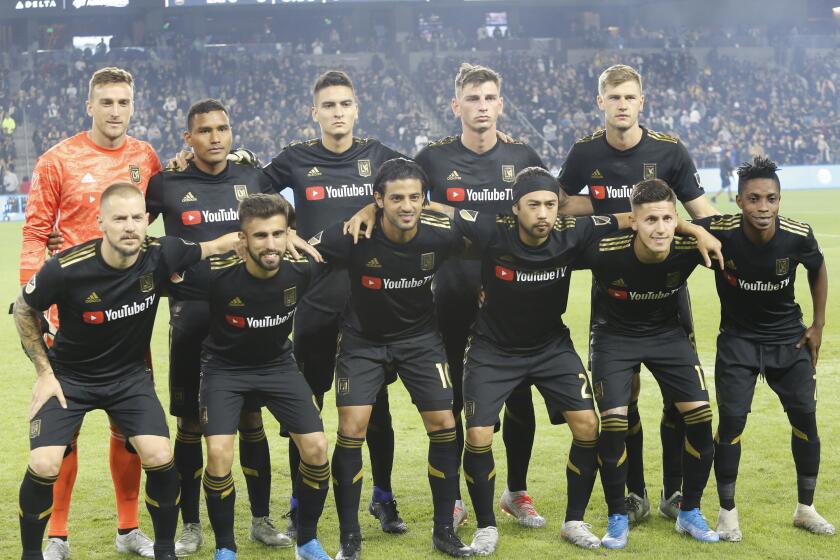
373, 263
236, 302
620, 283
730, 264
453, 176
596, 174
93, 298
314, 172
189, 197
88, 178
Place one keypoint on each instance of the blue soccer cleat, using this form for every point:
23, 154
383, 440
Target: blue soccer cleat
693, 523
311, 550
224, 554
617, 531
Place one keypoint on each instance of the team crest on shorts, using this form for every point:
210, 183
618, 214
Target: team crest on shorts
648, 171
342, 385
177, 395
672, 280
134, 172
290, 296
427, 261
508, 173
598, 389
469, 409
782, 266
241, 192
147, 282
364, 167
35, 428
202, 416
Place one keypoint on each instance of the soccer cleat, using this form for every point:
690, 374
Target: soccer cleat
459, 514
311, 551
618, 531
693, 523
389, 516
806, 517
350, 547
670, 507
291, 525
224, 554
57, 549
485, 540
519, 505
264, 531
578, 533
445, 540
190, 540
728, 528
637, 507
135, 542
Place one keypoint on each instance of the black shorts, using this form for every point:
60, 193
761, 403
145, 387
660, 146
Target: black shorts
787, 369
189, 326
131, 403
670, 357
491, 375
281, 388
362, 367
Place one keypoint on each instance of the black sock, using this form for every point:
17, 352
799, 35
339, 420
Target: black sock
518, 434
805, 444
35, 504
672, 435
162, 500
727, 457
698, 452
580, 477
612, 458
347, 482
189, 462
443, 474
313, 483
256, 466
294, 465
380, 440
480, 474
220, 495
635, 451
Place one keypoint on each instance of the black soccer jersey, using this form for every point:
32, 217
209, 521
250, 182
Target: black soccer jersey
632, 298
201, 207
391, 283
251, 318
526, 288
756, 286
610, 174
106, 314
328, 187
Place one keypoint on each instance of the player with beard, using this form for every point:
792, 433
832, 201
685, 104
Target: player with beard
476, 170
609, 162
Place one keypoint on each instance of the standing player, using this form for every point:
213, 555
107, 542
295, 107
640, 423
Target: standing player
66, 186
390, 324
199, 204
248, 356
107, 293
637, 278
762, 333
476, 170
609, 163
726, 169
331, 178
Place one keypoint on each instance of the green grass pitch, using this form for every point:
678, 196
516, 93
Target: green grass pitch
766, 487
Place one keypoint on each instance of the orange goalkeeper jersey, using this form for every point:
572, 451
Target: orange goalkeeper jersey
66, 185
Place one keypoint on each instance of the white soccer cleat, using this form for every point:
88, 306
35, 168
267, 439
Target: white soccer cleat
135, 542
57, 549
727, 525
190, 540
519, 505
484, 541
578, 533
806, 517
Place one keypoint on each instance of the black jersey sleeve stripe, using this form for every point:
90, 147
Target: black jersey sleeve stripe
78, 259
595, 135
73, 255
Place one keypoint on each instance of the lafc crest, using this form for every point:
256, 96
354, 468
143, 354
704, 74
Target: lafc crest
134, 173
782, 266
364, 167
147, 282
290, 296
427, 261
241, 192
508, 173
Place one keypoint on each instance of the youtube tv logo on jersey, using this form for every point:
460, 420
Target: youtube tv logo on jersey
503, 273
191, 217
598, 191
315, 193
235, 321
93, 317
456, 194
372, 282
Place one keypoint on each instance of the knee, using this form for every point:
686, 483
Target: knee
250, 420
585, 428
438, 420
157, 456
352, 426
313, 448
219, 456
730, 428
480, 436
45, 465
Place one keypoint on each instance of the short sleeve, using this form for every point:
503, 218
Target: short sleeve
685, 180
722, 234
44, 288
479, 228
333, 244
810, 254
279, 171
265, 183
192, 283
154, 196
569, 178
592, 228
178, 253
